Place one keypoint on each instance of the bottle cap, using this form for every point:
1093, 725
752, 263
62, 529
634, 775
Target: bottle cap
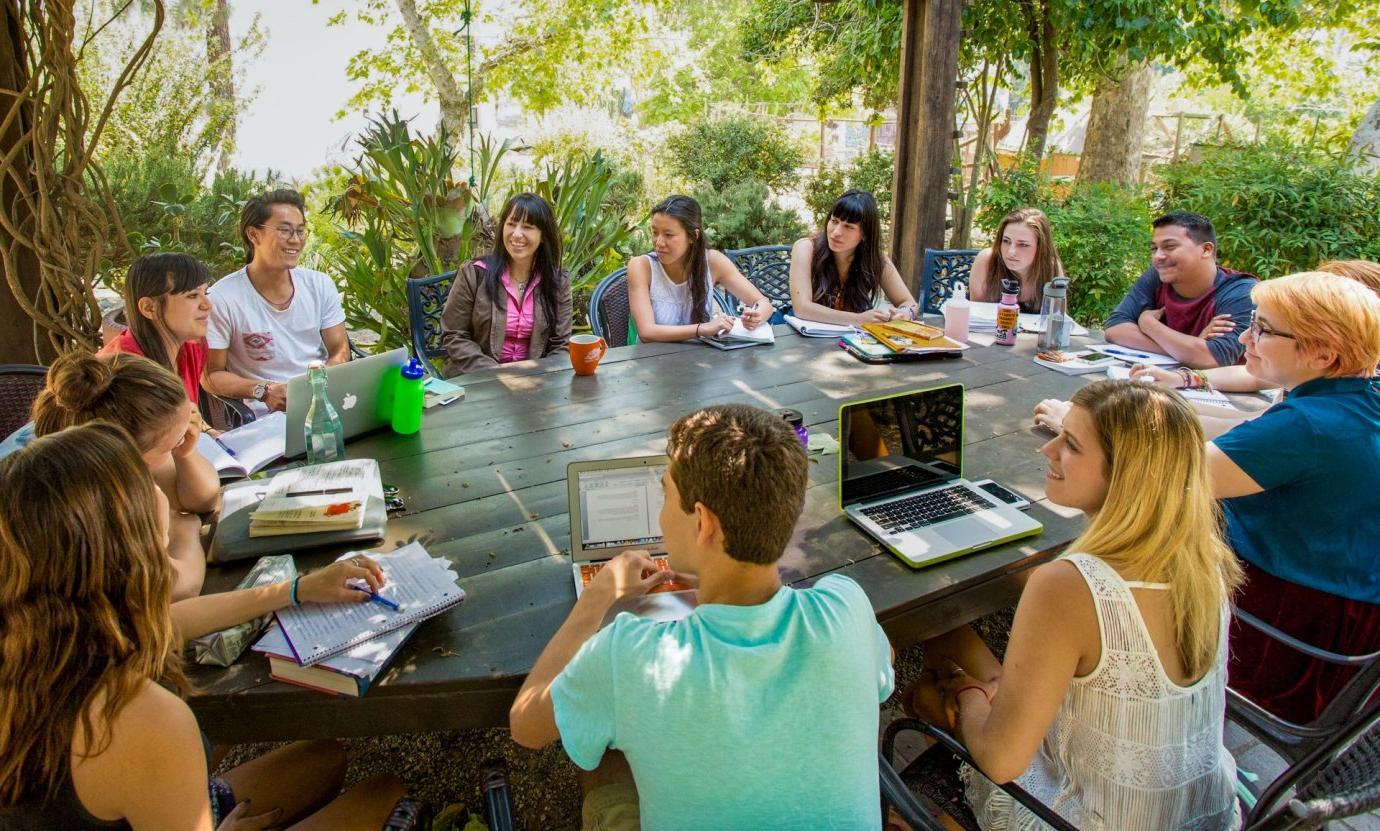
316, 365
1009, 286
960, 292
413, 370
1058, 287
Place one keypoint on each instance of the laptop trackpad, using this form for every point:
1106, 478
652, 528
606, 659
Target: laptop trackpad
978, 529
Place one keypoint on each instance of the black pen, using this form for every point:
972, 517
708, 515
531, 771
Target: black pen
322, 492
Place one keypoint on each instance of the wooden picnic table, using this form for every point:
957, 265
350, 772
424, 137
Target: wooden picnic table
484, 483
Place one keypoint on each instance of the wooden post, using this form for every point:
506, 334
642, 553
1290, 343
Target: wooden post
924, 132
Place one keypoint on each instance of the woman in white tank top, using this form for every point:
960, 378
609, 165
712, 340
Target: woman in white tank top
670, 289
1109, 704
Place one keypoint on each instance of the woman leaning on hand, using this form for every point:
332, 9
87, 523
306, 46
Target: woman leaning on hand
514, 304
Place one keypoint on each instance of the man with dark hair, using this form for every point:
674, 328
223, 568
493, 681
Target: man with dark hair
271, 318
1185, 305
759, 710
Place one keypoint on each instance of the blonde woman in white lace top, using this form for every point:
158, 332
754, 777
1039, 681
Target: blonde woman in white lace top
1109, 704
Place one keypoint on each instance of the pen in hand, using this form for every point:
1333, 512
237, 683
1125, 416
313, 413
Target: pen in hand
375, 597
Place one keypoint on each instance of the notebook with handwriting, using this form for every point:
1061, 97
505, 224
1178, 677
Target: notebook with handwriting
423, 586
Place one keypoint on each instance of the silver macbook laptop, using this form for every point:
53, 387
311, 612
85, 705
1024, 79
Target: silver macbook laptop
354, 388
901, 479
615, 506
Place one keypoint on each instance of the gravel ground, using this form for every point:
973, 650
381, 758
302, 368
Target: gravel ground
444, 767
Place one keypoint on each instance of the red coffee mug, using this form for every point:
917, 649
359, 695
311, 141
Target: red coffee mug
585, 353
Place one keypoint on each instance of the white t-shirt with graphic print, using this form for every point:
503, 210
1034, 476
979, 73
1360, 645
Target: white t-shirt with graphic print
266, 343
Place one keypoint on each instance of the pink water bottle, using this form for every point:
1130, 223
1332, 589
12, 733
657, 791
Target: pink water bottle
1008, 313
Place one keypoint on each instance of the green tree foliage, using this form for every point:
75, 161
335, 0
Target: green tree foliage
1279, 208
164, 139
743, 215
733, 150
873, 172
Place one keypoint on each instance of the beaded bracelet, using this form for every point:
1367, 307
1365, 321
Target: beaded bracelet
295, 581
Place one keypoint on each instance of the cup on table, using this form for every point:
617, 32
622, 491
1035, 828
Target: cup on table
585, 353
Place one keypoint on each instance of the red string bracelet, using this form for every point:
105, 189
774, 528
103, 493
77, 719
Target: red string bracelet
978, 687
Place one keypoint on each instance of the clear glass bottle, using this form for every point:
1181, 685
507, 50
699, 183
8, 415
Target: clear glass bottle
325, 435
1055, 323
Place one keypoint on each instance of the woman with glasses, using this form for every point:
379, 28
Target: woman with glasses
1297, 485
272, 318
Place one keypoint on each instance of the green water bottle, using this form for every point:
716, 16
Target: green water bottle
325, 434
408, 398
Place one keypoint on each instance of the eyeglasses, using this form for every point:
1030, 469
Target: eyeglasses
1257, 328
286, 233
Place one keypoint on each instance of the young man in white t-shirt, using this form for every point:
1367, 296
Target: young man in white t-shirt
270, 319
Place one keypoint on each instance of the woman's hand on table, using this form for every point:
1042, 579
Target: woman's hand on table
330, 584
1155, 374
874, 316
716, 325
906, 311
1050, 413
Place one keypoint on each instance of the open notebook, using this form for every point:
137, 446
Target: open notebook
423, 586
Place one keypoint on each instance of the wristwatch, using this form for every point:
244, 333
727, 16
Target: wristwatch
260, 390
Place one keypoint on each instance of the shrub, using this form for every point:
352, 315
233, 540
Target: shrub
1102, 232
821, 191
733, 150
1279, 208
743, 215
873, 172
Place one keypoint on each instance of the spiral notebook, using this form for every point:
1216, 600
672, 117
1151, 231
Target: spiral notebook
421, 585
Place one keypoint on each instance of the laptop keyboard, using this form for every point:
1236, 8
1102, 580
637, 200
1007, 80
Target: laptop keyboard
926, 509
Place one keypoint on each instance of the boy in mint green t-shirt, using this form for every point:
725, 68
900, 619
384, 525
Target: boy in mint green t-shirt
758, 710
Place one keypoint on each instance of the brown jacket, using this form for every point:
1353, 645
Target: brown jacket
472, 326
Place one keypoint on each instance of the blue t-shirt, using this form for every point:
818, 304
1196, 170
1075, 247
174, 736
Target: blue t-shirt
739, 717
1317, 455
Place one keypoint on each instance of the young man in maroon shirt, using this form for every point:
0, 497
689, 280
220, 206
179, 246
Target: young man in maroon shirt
1185, 305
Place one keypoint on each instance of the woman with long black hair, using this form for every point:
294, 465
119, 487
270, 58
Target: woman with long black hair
515, 303
841, 275
670, 287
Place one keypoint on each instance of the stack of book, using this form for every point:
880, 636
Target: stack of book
912, 337
341, 648
311, 500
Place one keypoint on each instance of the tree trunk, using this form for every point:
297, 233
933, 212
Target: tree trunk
455, 111
924, 132
219, 56
1365, 142
1116, 128
18, 334
1044, 76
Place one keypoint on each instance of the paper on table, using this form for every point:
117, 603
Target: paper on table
255, 444
363, 660
420, 584
761, 334
814, 329
360, 475
1134, 356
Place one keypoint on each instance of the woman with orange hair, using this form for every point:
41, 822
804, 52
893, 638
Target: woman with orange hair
1297, 485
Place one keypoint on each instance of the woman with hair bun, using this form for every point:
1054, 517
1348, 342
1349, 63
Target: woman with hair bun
151, 403
93, 731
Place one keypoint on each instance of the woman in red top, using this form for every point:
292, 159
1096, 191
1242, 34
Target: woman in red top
167, 308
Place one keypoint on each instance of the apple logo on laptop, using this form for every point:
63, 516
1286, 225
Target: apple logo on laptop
349, 401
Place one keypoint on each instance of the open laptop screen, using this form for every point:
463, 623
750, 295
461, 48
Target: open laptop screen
901, 443
620, 507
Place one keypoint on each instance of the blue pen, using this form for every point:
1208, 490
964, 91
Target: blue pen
223, 446
378, 598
